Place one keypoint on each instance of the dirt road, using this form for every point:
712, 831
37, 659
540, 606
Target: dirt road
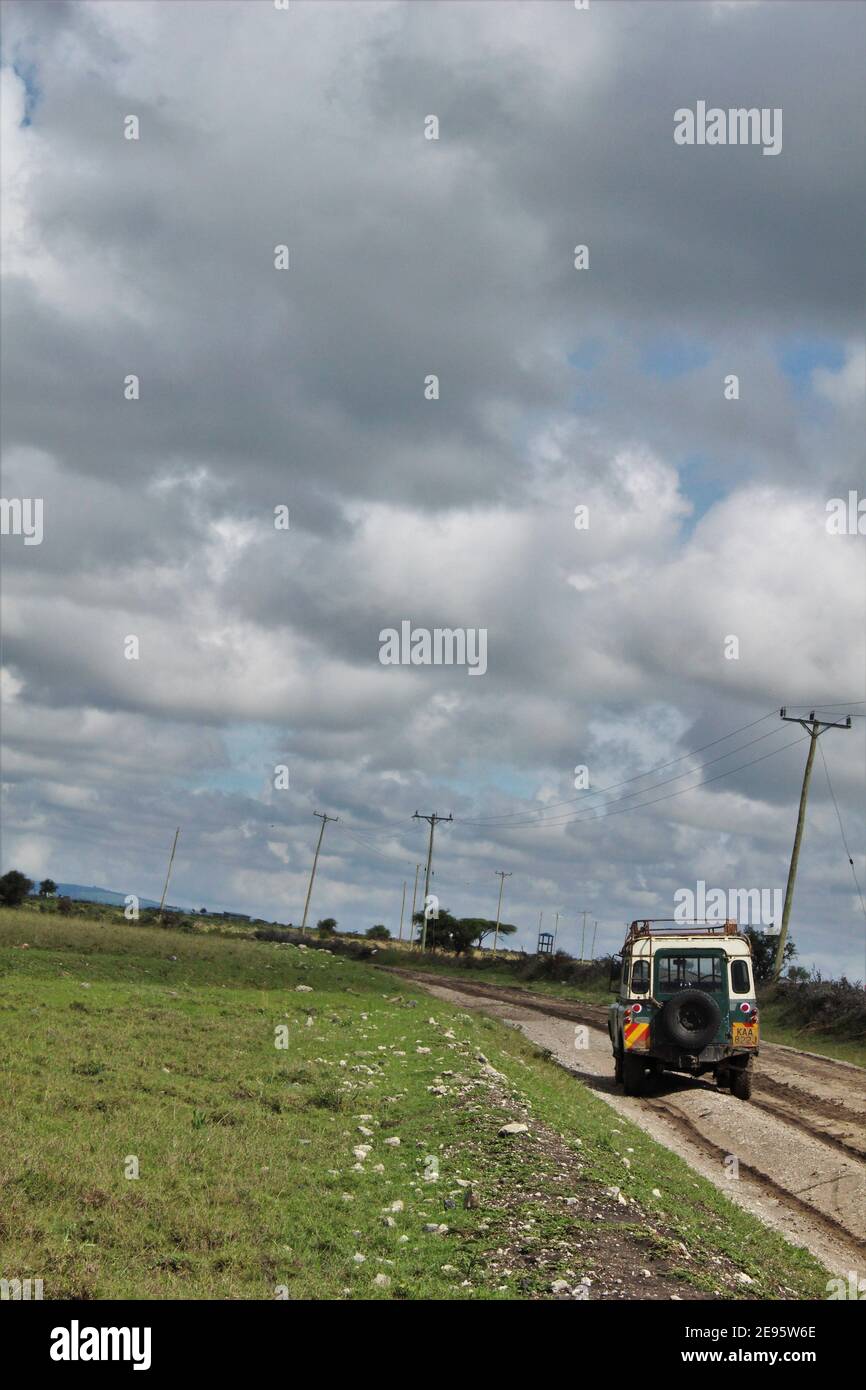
799, 1145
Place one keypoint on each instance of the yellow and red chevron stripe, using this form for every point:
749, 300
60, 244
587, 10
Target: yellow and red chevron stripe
636, 1034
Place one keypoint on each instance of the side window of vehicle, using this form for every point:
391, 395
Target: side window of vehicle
740, 981
640, 977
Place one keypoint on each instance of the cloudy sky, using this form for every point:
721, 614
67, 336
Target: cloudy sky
604, 387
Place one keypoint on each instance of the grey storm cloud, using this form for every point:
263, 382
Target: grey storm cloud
305, 388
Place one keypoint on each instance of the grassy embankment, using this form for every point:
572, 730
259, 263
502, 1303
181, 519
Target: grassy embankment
136, 1043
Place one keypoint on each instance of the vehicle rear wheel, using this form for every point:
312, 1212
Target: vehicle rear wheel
617, 1065
633, 1069
741, 1082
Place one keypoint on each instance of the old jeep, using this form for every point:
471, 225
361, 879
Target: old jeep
686, 1002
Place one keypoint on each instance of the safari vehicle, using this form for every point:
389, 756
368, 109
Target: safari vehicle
686, 1002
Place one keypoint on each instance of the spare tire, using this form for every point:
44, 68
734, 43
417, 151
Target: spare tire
691, 1019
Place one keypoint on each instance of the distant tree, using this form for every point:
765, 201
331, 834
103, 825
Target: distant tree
64, 906
327, 926
440, 929
458, 934
798, 974
14, 888
378, 933
203, 911
764, 946
473, 930
47, 888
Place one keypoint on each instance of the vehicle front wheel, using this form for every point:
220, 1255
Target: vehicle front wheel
741, 1082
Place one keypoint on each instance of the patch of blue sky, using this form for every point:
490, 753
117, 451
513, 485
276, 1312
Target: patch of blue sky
671, 355
799, 357
501, 777
32, 91
701, 484
587, 355
252, 753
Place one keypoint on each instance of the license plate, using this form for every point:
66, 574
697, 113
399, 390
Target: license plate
745, 1035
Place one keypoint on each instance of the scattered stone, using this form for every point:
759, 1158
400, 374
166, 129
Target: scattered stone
303, 989
743, 1278
559, 1286
515, 1127
393, 1142
359, 1259
389, 1222
382, 1281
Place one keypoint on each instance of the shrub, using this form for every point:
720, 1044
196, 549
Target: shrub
14, 888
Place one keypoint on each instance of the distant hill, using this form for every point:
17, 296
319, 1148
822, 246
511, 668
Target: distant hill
105, 895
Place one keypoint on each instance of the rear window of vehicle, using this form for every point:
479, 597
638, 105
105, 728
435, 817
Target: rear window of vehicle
689, 972
640, 977
740, 982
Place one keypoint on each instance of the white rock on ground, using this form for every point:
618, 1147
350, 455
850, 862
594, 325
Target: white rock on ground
513, 1128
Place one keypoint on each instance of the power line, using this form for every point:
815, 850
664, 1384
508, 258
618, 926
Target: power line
598, 810
604, 815
844, 840
505, 815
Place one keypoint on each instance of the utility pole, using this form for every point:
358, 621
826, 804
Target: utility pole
555, 929
502, 875
402, 908
324, 819
583, 934
168, 875
414, 895
814, 728
594, 930
432, 822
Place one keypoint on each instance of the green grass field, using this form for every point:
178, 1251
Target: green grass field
138, 1049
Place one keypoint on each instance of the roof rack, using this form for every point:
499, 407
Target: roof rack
671, 926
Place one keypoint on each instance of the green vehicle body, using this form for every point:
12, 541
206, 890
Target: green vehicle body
685, 1003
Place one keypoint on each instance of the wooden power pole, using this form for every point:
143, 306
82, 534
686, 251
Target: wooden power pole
502, 877
168, 875
414, 896
402, 910
324, 819
814, 728
432, 822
